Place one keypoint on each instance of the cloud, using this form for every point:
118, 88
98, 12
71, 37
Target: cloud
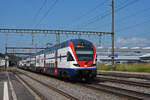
134, 41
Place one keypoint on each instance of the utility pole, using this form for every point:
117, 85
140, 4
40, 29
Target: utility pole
79, 36
100, 40
6, 58
32, 38
57, 38
113, 66
6, 53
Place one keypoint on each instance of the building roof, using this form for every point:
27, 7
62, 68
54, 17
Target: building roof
124, 48
119, 58
145, 55
99, 47
146, 48
135, 48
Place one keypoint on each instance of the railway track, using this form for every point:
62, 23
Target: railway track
138, 75
121, 92
132, 95
123, 81
42, 97
66, 95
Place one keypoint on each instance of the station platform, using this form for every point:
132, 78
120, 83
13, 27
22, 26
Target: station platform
12, 89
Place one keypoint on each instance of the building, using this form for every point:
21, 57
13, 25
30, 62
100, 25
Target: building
123, 55
2, 62
145, 58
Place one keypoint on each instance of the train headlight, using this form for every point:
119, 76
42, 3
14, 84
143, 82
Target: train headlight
94, 65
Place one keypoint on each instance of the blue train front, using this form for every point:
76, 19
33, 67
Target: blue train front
74, 59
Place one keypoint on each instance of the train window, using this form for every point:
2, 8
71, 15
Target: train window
84, 52
42, 60
63, 45
84, 55
38, 60
46, 64
53, 65
69, 57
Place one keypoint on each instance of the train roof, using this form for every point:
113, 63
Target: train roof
77, 41
63, 44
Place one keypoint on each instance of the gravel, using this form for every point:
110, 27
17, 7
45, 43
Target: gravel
126, 86
49, 94
79, 92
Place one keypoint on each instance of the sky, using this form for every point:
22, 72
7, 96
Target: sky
132, 23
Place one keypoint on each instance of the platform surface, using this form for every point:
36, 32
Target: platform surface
12, 89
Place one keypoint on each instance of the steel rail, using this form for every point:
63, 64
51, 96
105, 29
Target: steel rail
52, 88
141, 84
133, 95
31, 87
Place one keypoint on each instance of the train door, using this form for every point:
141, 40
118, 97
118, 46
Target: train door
44, 63
56, 62
35, 64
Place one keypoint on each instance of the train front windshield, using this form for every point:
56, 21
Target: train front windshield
84, 52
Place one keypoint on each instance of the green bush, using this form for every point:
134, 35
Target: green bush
104, 67
127, 67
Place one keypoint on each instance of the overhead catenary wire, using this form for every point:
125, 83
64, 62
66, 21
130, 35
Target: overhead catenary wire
126, 17
136, 13
77, 19
36, 16
45, 15
132, 26
107, 13
95, 19
89, 11
126, 5
39, 10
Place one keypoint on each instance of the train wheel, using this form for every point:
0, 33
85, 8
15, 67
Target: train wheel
65, 76
72, 79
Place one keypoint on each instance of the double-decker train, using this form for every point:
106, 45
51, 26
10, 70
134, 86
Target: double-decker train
74, 59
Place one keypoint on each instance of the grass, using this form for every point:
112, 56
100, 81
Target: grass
127, 67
